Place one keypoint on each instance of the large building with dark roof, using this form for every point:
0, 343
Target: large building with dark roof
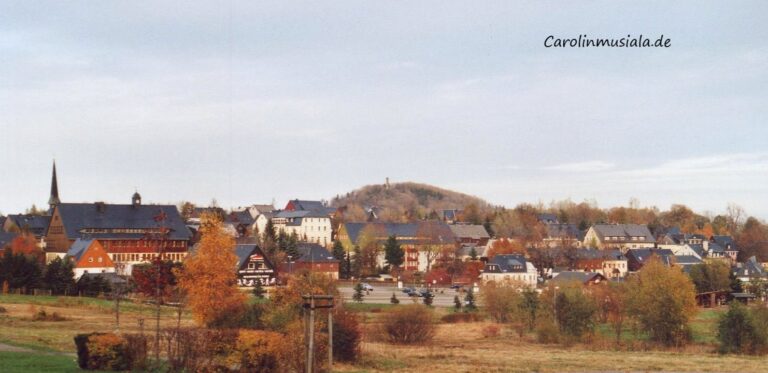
619, 236
131, 233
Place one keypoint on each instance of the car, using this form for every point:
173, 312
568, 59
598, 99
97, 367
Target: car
457, 286
414, 294
408, 290
366, 286
425, 293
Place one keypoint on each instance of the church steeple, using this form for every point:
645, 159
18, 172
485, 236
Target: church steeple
53, 201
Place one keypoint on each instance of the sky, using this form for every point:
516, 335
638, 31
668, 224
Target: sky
250, 102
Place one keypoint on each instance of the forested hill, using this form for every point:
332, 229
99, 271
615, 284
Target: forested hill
400, 202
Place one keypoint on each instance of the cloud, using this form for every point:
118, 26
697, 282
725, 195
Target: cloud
589, 166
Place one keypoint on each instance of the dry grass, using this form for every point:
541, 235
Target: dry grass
17, 327
462, 348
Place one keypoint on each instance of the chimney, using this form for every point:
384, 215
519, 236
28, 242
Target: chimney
100, 207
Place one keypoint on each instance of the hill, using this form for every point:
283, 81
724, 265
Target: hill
401, 202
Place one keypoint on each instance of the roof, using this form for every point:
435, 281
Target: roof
111, 277
244, 251
299, 204
79, 216
6, 238
466, 250
750, 268
547, 218
724, 241
240, 217
79, 247
506, 263
642, 254
590, 253
473, 231
300, 214
312, 252
572, 276
624, 230
36, 224
564, 230
404, 232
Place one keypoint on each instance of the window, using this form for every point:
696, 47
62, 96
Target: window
101, 259
251, 265
90, 260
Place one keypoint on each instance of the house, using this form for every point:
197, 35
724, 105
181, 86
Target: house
420, 241
636, 258
465, 252
728, 244
241, 221
611, 263
510, 269
37, 225
584, 278
256, 210
618, 236
546, 218
470, 234
308, 225
313, 258
316, 206
450, 216
130, 234
562, 235
5, 239
686, 262
685, 249
260, 222
88, 256
749, 270
252, 266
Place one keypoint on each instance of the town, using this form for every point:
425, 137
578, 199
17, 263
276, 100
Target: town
555, 271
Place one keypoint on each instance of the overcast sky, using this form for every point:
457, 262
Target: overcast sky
249, 101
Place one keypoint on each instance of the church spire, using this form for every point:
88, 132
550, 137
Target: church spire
54, 200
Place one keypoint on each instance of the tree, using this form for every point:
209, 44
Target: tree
711, 276
258, 290
529, 307
427, 299
469, 300
456, 303
59, 276
500, 302
575, 312
20, 271
208, 276
394, 299
434, 237
358, 296
504, 246
473, 253
662, 300
753, 240
393, 253
740, 330
356, 267
159, 274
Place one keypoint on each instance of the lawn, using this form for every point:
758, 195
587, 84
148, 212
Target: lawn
24, 362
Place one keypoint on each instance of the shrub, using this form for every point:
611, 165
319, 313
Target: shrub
409, 324
575, 313
194, 350
347, 335
461, 317
3, 310
257, 351
394, 299
501, 302
490, 331
103, 351
136, 348
739, 331
292, 350
547, 332
42, 315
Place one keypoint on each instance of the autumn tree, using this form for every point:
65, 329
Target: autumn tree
753, 240
662, 299
208, 277
370, 248
434, 238
157, 275
504, 246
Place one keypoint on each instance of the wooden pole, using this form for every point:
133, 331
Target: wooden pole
311, 335
330, 339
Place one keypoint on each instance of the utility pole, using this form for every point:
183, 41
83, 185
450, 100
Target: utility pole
312, 302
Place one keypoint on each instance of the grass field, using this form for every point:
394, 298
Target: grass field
456, 348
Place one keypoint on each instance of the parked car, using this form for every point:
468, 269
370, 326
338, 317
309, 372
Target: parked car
414, 294
425, 292
408, 290
457, 286
366, 286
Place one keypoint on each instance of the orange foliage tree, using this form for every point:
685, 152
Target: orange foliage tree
25, 244
209, 277
505, 246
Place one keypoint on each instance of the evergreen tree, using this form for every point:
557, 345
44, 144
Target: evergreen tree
393, 253
338, 254
20, 271
394, 299
470, 300
357, 262
473, 253
456, 302
292, 245
488, 226
428, 297
269, 234
59, 276
358, 296
258, 290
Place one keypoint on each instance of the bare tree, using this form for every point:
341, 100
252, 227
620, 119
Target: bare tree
735, 214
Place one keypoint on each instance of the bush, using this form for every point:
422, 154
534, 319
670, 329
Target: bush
547, 332
42, 315
409, 324
501, 302
194, 350
347, 335
257, 351
740, 331
102, 351
575, 313
3, 310
461, 317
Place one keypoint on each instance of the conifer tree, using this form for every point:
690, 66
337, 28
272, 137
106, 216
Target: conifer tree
394, 299
358, 296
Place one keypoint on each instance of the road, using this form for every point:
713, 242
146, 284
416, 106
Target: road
383, 292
